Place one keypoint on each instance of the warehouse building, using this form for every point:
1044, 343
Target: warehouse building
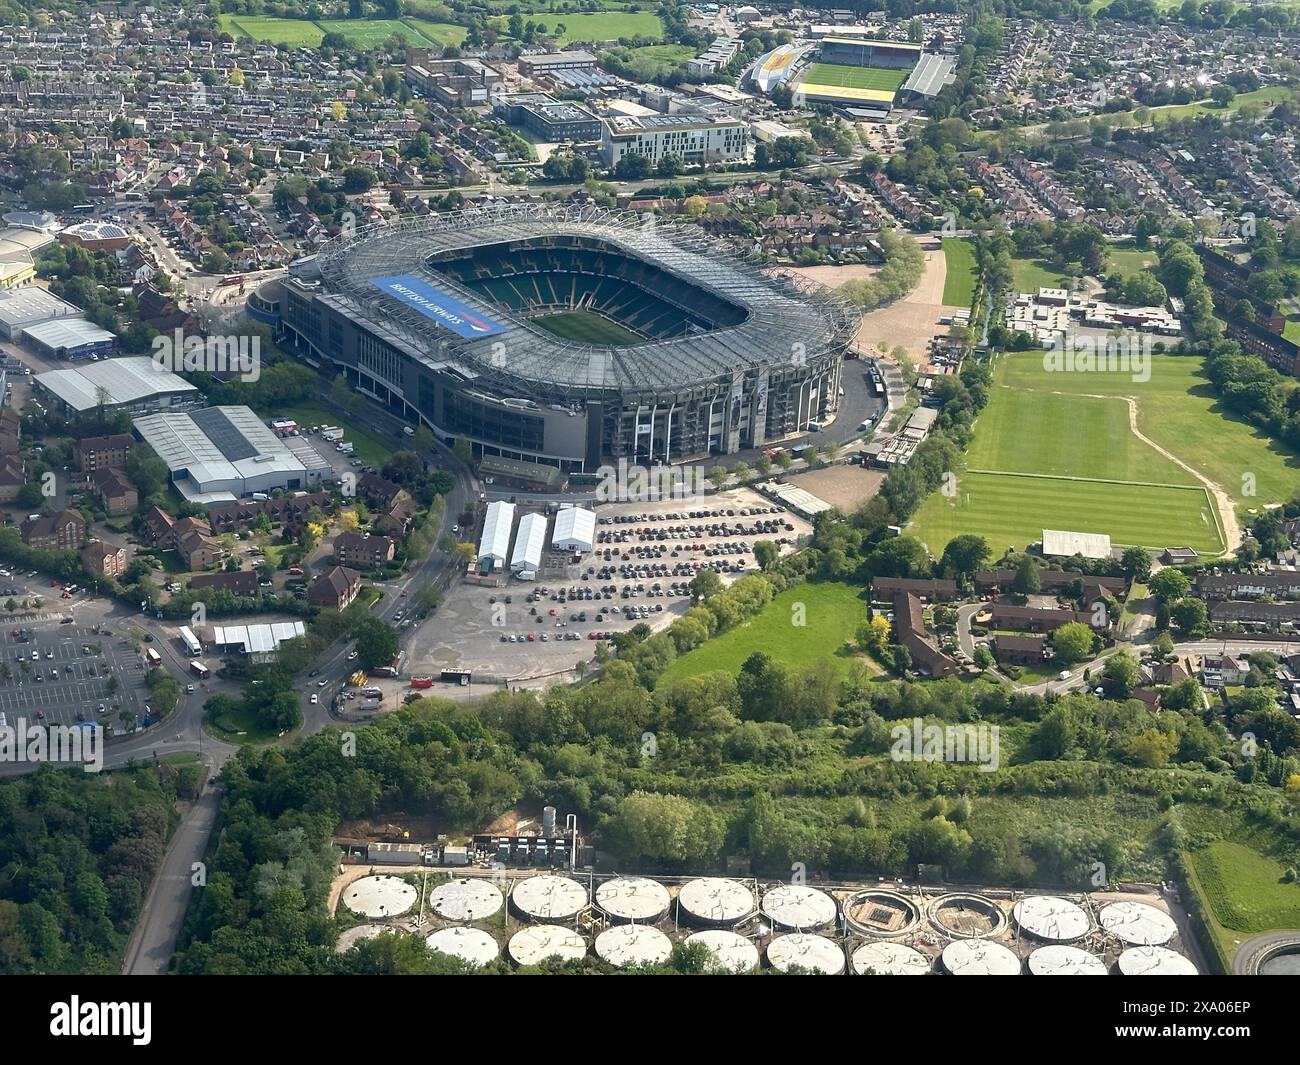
575, 530
69, 338
219, 454
494, 544
21, 309
531, 539
132, 385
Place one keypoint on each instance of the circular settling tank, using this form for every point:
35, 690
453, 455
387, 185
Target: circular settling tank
379, 896
466, 900
713, 900
890, 959
735, 953
964, 916
798, 907
812, 953
1051, 919
625, 945
549, 898
975, 957
471, 945
877, 912
1154, 961
534, 944
356, 934
1138, 924
633, 898
1059, 960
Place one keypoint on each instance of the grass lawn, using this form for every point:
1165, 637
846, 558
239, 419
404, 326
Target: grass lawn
1011, 511
441, 33
959, 283
1292, 328
1029, 275
597, 26
1269, 96
832, 613
372, 32
294, 32
1131, 260
1245, 888
843, 76
235, 726
370, 449
587, 328
1177, 409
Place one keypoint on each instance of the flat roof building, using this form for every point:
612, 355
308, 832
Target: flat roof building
547, 118
218, 454
552, 61
133, 384
69, 338
696, 138
20, 309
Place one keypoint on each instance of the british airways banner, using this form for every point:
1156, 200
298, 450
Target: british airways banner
442, 308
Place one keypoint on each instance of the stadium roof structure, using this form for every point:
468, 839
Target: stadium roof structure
784, 319
846, 92
1057, 542
495, 541
123, 381
874, 42
931, 74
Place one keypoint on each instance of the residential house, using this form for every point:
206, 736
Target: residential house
65, 531
335, 589
116, 493
360, 549
102, 559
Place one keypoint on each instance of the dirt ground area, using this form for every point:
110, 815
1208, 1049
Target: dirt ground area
913, 320
843, 486
834, 276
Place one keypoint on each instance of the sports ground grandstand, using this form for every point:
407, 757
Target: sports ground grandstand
569, 335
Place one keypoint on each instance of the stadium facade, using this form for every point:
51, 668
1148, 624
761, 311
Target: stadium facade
567, 335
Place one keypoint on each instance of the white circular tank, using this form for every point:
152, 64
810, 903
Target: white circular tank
471, 945
713, 900
379, 896
549, 898
1061, 960
1154, 961
633, 944
734, 952
537, 942
357, 934
795, 906
890, 959
466, 900
813, 953
633, 898
1138, 924
978, 957
1051, 919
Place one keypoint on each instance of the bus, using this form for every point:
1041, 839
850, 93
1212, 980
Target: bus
152, 658
83, 208
190, 641
233, 279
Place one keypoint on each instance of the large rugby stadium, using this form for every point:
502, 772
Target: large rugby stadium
565, 335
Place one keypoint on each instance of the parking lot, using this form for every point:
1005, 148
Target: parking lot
645, 557
53, 672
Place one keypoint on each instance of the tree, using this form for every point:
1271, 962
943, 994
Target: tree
704, 585
632, 167
1027, 581
423, 439
376, 642
1136, 564
1121, 675
1169, 585
765, 553
964, 554
1190, 617
663, 831
983, 657
1072, 642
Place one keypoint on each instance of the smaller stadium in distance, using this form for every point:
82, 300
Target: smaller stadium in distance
850, 71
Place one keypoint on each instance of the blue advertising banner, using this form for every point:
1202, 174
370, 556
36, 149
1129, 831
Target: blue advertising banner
433, 303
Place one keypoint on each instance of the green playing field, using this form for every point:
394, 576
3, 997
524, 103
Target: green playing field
587, 328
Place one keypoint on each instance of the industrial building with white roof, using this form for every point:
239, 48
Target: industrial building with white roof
134, 385
220, 454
